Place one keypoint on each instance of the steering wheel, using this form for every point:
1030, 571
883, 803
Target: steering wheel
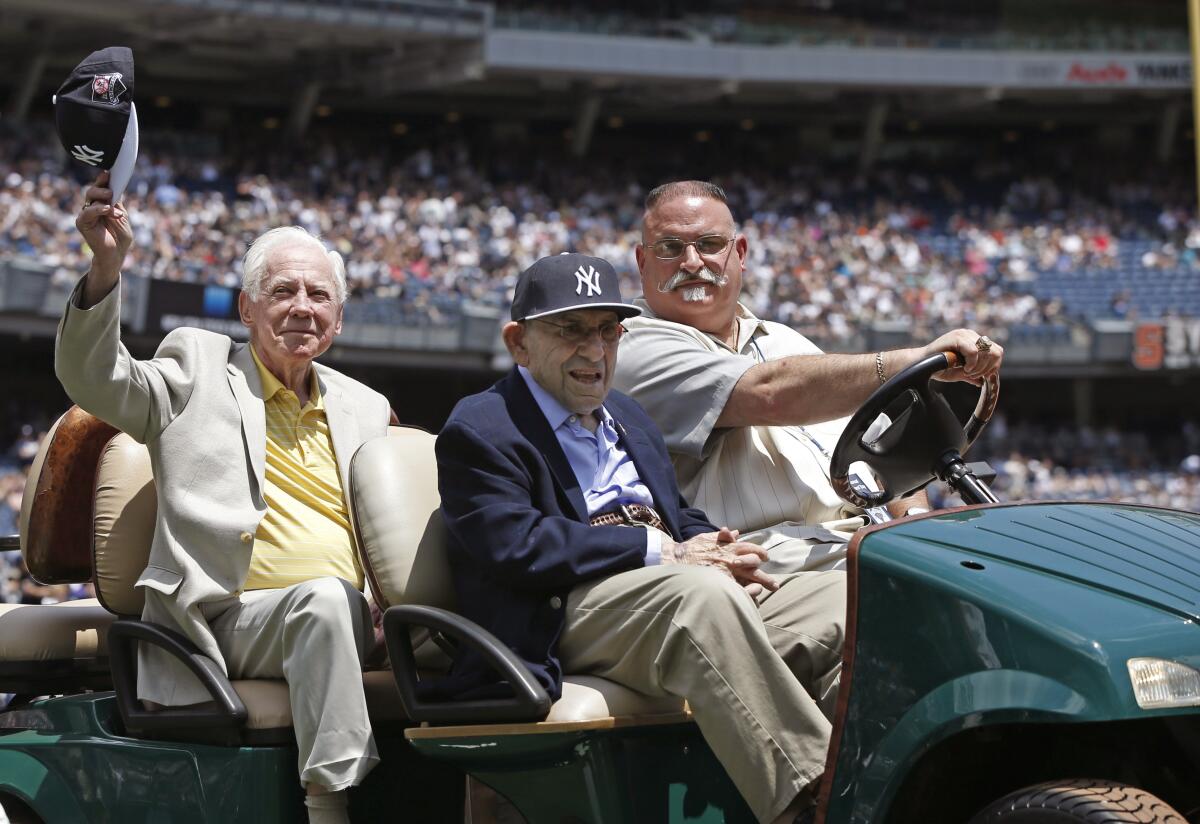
924, 428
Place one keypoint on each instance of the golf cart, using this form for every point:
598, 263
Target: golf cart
1004, 662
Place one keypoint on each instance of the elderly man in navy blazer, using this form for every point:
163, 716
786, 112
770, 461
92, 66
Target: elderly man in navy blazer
571, 543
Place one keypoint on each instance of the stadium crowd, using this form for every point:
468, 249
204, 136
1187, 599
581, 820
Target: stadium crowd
831, 24
830, 252
16, 585
1065, 463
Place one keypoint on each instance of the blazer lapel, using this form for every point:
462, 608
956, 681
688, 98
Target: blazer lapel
528, 417
247, 390
343, 428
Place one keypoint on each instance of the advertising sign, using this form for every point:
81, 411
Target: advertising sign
1170, 72
172, 304
1171, 344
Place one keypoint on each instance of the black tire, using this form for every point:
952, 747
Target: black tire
1080, 801
17, 811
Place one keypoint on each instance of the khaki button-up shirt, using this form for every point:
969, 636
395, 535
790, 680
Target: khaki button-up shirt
773, 480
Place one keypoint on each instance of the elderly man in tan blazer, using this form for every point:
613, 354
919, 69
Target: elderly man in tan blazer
254, 555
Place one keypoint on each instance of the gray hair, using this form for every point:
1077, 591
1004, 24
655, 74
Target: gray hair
254, 264
685, 188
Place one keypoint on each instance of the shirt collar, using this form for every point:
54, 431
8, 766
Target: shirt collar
556, 414
272, 384
749, 325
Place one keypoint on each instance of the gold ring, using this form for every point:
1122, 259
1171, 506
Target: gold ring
983, 343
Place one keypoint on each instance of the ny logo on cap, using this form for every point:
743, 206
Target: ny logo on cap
590, 279
88, 155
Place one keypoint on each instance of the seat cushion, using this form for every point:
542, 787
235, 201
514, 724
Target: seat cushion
269, 707
584, 698
54, 632
588, 698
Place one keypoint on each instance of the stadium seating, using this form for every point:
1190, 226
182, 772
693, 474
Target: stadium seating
433, 236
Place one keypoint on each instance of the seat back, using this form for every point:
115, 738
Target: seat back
123, 514
90, 515
393, 487
56, 511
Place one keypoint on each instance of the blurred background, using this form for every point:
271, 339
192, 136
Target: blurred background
900, 167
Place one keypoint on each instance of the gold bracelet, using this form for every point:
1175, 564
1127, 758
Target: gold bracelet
879, 367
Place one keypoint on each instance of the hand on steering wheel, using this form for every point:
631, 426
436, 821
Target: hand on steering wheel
923, 428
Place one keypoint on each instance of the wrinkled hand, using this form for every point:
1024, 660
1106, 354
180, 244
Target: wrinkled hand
105, 226
723, 551
977, 364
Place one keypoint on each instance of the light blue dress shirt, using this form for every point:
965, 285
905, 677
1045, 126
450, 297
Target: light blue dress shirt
605, 472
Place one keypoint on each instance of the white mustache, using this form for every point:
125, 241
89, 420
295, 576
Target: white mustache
679, 278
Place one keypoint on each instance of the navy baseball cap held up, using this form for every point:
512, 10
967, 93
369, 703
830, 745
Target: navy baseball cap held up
95, 115
562, 283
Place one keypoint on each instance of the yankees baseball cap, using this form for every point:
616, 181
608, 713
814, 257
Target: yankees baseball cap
95, 115
562, 283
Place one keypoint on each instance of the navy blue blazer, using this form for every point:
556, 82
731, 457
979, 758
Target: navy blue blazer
519, 534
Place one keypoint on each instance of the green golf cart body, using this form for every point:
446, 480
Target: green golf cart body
987, 657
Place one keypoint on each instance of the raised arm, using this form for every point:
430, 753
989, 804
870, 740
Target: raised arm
95, 369
105, 227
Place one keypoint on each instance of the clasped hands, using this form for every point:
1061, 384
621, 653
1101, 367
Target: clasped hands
722, 551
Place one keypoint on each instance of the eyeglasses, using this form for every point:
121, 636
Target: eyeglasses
577, 334
669, 248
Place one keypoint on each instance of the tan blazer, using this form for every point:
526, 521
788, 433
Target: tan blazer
198, 407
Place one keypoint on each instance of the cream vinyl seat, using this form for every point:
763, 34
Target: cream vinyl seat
92, 516
124, 524
396, 508
56, 648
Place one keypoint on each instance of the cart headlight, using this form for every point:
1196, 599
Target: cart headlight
1158, 683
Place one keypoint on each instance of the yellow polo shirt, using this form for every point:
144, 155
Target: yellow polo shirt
306, 532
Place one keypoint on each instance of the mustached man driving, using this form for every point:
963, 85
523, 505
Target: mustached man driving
751, 409
570, 542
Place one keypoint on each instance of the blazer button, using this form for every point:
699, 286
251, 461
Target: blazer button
247, 537
556, 602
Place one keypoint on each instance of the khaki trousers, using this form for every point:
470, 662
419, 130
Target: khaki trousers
761, 679
794, 546
314, 635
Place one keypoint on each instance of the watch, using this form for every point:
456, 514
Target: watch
916, 510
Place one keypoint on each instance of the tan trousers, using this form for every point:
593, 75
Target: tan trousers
794, 546
314, 635
761, 679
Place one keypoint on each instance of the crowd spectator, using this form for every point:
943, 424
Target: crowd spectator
17, 586
833, 252
1041, 462
829, 24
